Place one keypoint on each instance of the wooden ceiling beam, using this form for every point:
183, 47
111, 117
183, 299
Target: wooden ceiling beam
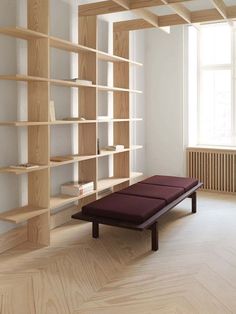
220, 7
145, 14
131, 25
148, 16
109, 6
179, 9
202, 16
123, 3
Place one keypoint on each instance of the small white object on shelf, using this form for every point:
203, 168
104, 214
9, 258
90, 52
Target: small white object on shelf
114, 148
77, 188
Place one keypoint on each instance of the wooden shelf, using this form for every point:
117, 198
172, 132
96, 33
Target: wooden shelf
61, 122
23, 78
22, 33
27, 34
107, 183
72, 47
70, 160
73, 159
38, 61
135, 175
22, 123
27, 78
20, 171
21, 214
61, 200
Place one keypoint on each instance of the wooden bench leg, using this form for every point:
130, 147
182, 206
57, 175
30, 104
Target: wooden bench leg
194, 202
95, 230
154, 229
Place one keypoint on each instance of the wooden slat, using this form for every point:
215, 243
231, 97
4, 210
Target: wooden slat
215, 167
181, 10
22, 214
106, 7
147, 16
221, 7
131, 25
123, 3
38, 136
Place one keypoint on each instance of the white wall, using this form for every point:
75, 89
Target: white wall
165, 138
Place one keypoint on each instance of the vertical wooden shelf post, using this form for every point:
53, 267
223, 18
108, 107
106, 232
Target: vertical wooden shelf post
38, 110
88, 99
121, 104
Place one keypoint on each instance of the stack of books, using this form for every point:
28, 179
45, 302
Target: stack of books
77, 188
115, 148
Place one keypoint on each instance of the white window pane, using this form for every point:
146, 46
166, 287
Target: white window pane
215, 108
215, 44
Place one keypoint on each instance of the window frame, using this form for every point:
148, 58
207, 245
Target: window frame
216, 67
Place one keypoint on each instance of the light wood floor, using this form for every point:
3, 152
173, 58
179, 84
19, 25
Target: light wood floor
193, 272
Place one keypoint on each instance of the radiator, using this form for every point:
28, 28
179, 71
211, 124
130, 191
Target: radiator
214, 167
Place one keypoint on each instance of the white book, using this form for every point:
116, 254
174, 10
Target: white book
114, 148
77, 188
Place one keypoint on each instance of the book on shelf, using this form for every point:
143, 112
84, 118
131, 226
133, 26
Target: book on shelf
114, 148
77, 80
74, 119
77, 188
52, 113
25, 166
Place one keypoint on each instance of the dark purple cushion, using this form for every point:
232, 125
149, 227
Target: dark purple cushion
180, 182
153, 191
124, 207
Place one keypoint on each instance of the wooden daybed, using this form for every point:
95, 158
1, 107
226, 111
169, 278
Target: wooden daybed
139, 206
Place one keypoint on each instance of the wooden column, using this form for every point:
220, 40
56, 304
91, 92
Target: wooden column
88, 99
38, 110
121, 104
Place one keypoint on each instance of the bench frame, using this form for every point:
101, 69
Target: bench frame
151, 223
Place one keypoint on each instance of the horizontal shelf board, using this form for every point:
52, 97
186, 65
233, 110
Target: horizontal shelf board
27, 34
72, 47
117, 89
61, 122
23, 78
27, 78
22, 33
21, 214
104, 56
22, 123
60, 200
135, 175
57, 122
73, 159
108, 153
106, 183
70, 160
20, 171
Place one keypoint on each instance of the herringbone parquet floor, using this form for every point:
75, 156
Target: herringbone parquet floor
193, 272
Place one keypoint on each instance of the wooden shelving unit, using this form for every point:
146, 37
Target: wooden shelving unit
40, 201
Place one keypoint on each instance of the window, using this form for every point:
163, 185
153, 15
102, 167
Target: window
211, 91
